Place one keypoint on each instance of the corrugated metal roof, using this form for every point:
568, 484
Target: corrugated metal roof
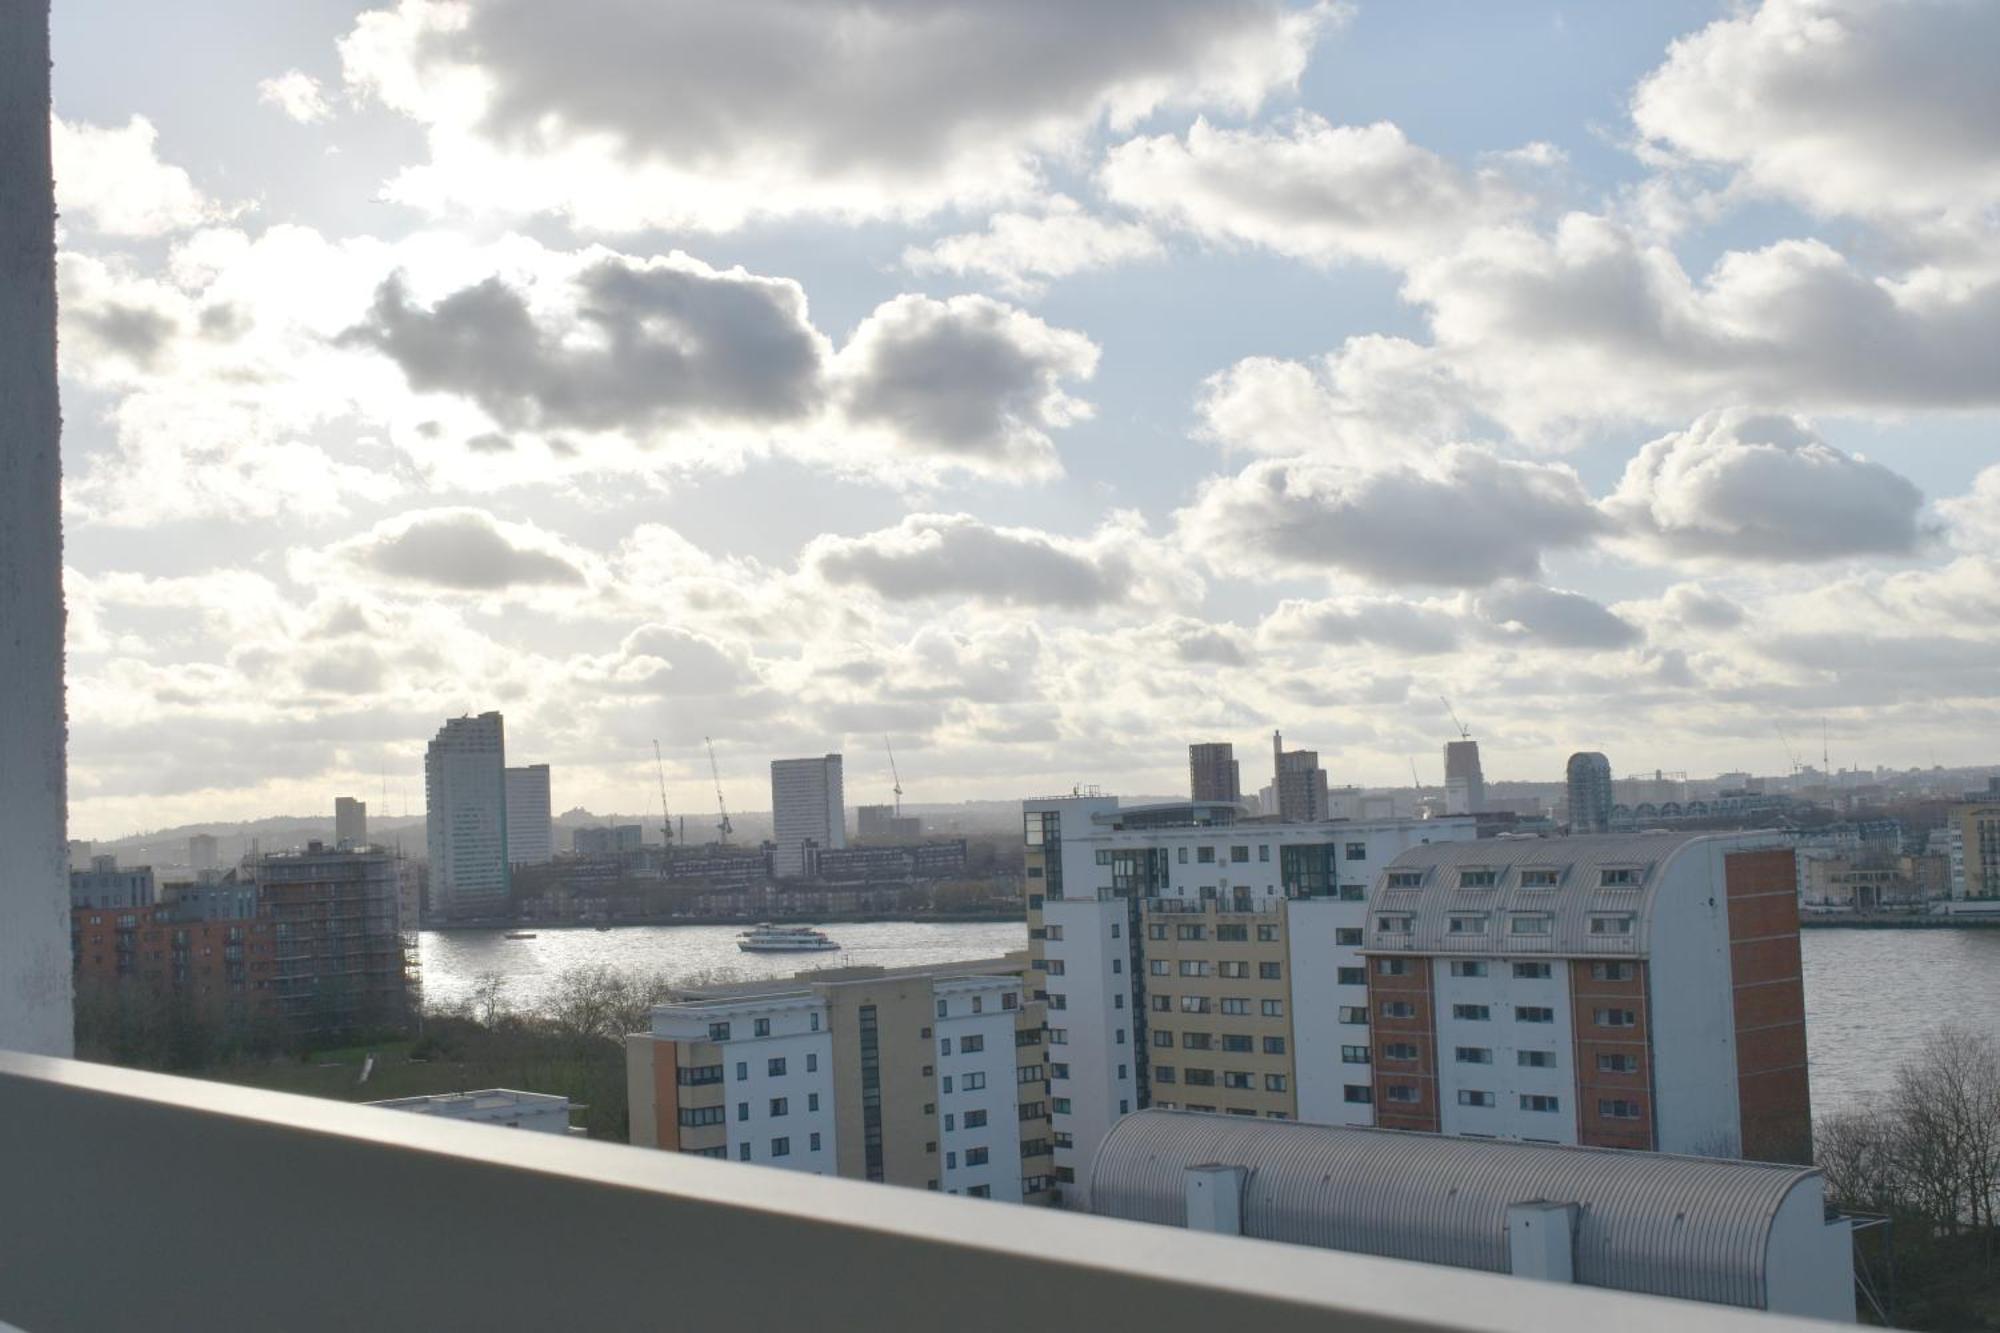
1578, 894
1691, 1227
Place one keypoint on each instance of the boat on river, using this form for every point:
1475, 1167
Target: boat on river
767, 938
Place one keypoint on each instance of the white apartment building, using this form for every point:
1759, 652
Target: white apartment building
807, 815
767, 1071
465, 808
1190, 960
978, 1124
531, 839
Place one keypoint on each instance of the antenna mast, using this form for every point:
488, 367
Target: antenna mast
895, 775
666, 820
723, 829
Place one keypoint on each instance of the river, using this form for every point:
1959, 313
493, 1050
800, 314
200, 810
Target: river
1871, 995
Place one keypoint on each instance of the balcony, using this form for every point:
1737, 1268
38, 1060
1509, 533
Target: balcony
342, 1217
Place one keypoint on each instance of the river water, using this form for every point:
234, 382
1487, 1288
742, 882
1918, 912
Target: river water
1871, 995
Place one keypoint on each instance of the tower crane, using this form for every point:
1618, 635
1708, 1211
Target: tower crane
723, 827
666, 820
1464, 732
897, 777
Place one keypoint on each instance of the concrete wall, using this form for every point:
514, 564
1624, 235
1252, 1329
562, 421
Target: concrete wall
34, 850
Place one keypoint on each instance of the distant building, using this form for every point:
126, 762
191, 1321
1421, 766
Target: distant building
807, 815
338, 913
350, 822
107, 887
910, 862
1464, 781
1213, 773
883, 823
1972, 843
224, 966
465, 807
544, 1112
1670, 1226
79, 854
609, 840
1589, 781
929, 1077
531, 839
1298, 782
204, 854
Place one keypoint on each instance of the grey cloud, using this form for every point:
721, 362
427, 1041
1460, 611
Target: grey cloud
347, 670
1206, 645
456, 548
1405, 627
1699, 608
490, 443
957, 555
1471, 519
1553, 617
1744, 486
137, 332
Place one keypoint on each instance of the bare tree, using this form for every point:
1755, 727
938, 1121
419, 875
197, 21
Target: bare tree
489, 998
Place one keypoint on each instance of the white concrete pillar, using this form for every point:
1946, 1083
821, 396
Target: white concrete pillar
1215, 1199
34, 853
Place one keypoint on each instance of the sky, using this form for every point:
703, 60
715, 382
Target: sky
1036, 387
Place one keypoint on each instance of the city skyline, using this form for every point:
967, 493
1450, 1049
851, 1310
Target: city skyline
1596, 411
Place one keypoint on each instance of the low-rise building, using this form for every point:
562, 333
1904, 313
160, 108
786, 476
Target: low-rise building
542, 1112
105, 886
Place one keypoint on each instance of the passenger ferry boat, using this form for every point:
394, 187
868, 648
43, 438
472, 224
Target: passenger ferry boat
767, 938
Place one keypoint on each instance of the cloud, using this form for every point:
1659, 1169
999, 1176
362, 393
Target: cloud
681, 113
1738, 485
967, 379
297, 94
1553, 617
957, 555
466, 550
1309, 189
1022, 252
1465, 518
1394, 623
112, 181
1973, 519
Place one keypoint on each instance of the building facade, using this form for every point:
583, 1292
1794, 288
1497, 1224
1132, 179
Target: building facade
204, 854
1637, 991
465, 808
350, 822
1298, 783
106, 886
932, 1078
1213, 774
1190, 960
881, 822
610, 840
1975, 853
1588, 778
538, 1112
531, 839
807, 815
1464, 780
343, 962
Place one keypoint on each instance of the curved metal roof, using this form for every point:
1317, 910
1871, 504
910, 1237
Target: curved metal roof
1691, 1227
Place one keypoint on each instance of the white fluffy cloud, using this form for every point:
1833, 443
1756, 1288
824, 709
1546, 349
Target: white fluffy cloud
1022, 252
111, 180
297, 94
1738, 485
631, 113
461, 549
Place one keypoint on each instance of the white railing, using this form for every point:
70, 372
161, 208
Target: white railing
133, 1200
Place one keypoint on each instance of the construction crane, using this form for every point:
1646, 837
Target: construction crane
666, 820
1464, 732
723, 828
1791, 751
897, 777
1416, 781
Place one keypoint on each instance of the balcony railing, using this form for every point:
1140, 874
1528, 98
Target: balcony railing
332, 1216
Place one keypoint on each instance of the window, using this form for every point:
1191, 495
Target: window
1399, 1050
781, 1106
1182, 857
812, 1142
1537, 1101
1161, 1037
1235, 1078
1537, 877
1237, 1043
1478, 879
1406, 879
1272, 1008
1614, 1018
1191, 932
1194, 1004
1235, 1005
1060, 1105
1468, 1097
743, 1110
1474, 1055
975, 1157
1620, 877
1035, 1073
1263, 851
1471, 1013
1348, 935
1267, 934
1402, 1092
1535, 1059
1195, 1041
1357, 851
1534, 1013
1617, 1064
1193, 967
812, 1101
1464, 923
1233, 971
951, 1161
973, 1082
812, 1064
742, 1070
815, 1020
1161, 1004
1239, 855
1467, 968
1618, 1108
944, 1010
1270, 971
1354, 976
1010, 1001
1058, 1000
1156, 930
950, 1122
775, 1067
1357, 1093
1233, 934
1203, 1078
1611, 925
1393, 967
946, 1081
1532, 972
1529, 925
1611, 971
1274, 1045
1353, 1013
1117, 966
1204, 855
761, 1028
781, 1147
742, 1152
694, 1076
1393, 923
718, 1032
1354, 1055
1158, 967
971, 1045
1398, 1009
1163, 1073
1055, 967
694, 1116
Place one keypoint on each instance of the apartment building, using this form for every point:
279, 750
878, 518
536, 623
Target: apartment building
1623, 991
807, 814
465, 811
1190, 958
929, 1077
